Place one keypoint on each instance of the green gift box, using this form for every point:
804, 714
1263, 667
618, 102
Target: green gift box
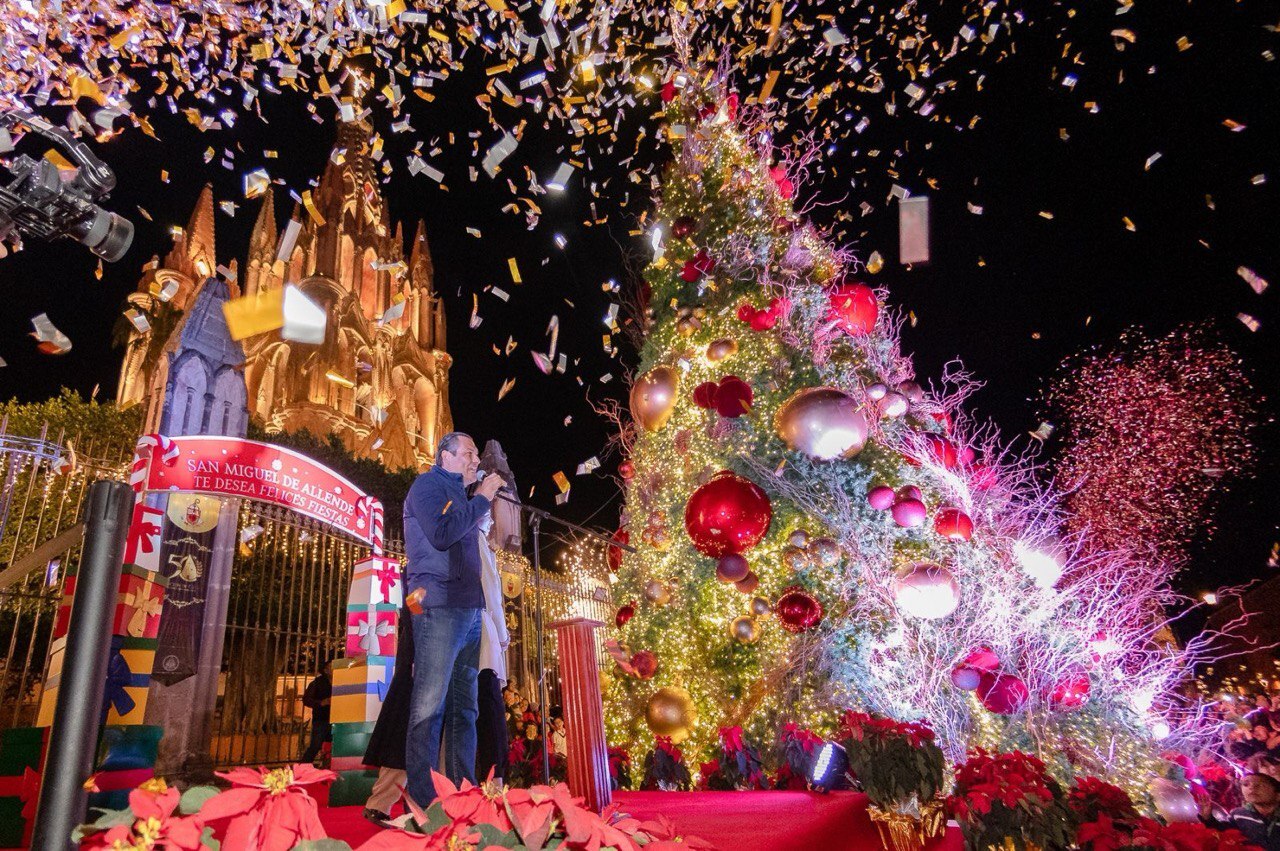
351, 739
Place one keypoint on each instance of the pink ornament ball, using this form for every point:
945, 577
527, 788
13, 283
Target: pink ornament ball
953, 524
964, 678
1003, 694
909, 513
881, 497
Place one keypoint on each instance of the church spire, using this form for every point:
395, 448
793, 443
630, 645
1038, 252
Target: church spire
262, 242
422, 270
200, 245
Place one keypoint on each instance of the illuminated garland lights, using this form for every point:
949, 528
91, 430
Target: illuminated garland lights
1057, 641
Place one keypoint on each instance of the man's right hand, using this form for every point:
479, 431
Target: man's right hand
489, 486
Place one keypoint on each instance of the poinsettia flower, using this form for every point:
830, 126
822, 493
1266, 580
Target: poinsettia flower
152, 805
471, 805
267, 810
584, 829
451, 837
532, 812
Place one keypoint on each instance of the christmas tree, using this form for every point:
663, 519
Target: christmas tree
815, 531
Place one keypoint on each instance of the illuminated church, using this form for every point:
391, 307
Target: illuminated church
380, 378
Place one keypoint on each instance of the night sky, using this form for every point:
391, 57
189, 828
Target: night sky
1009, 292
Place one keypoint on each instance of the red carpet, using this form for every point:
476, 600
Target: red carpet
732, 821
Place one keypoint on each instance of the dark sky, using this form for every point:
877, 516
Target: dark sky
1036, 276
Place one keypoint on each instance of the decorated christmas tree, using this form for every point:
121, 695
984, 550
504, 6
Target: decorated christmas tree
816, 531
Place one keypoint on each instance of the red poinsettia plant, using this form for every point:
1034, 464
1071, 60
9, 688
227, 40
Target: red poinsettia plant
739, 766
1009, 797
1109, 821
897, 763
798, 748
1144, 834
664, 767
1091, 798
273, 810
619, 768
490, 815
263, 809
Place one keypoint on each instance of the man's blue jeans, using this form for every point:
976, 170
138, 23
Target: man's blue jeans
446, 656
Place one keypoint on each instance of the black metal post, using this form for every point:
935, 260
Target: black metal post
535, 523
74, 736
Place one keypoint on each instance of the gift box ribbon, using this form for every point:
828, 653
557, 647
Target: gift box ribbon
370, 633
25, 787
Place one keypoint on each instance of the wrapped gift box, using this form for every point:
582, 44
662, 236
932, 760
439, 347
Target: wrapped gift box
371, 630
376, 581
142, 547
140, 603
21, 755
351, 739
358, 691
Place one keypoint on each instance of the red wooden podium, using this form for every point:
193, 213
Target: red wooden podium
588, 756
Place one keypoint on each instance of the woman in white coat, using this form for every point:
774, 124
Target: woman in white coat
491, 722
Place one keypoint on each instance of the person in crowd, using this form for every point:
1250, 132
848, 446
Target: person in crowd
446, 599
317, 697
1259, 818
491, 729
386, 748
559, 741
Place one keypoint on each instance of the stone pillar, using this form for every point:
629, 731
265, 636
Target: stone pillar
583, 711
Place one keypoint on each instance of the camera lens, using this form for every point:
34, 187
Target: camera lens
105, 234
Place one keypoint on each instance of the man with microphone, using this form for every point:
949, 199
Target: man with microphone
445, 595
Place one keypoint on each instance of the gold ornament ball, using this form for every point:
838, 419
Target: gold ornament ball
798, 538
671, 712
826, 552
656, 592
822, 423
760, 606
718, 350
794, 558
653, 397
744, 629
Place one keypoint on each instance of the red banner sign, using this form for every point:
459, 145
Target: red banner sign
245, 468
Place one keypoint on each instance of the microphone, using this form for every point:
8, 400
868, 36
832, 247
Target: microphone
506, 488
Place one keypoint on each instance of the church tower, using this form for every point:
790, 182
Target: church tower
380, 378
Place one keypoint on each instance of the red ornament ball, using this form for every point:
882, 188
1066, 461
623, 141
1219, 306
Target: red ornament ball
748, 584
627, 471
881, 497
733, 397
645, 664
732, 568
704, 395
683, 226
729, 514
625, 613
798, 610
1071, 691
909, 513
854, 308
982, 659
909, 492
1003, 694
953, 524
622, 536
763, 320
